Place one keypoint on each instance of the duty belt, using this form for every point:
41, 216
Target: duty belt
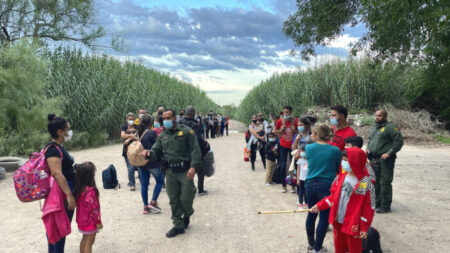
178, 167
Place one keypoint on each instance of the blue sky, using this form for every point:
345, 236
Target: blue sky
224, 47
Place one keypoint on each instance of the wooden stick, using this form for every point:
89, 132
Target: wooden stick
279, 212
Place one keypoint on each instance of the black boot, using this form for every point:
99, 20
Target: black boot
186, 220
253, 165
174, 232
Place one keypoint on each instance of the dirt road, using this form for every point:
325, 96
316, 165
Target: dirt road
226, 219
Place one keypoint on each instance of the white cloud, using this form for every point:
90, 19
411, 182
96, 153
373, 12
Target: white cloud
342, 41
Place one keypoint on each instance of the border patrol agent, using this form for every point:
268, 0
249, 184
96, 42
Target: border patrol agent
178, 147
385, 141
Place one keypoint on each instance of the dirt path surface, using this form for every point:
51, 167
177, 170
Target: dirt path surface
226, 219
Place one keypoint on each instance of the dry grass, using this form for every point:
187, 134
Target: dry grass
417, 127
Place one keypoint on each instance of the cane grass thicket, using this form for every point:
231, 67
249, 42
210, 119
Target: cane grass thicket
94, 93
100, 90
355, 83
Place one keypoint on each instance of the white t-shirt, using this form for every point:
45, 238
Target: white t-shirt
346, 192
303, 164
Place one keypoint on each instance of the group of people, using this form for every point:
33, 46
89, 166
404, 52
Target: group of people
173, 148
334, 177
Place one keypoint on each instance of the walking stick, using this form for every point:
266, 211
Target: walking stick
279, 212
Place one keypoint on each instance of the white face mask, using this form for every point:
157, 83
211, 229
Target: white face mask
69, 136
130, 122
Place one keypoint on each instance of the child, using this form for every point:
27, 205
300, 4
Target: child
352, 202
88, 206
302, 171
271, 150
356, 141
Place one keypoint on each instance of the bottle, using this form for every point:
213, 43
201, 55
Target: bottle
44, 180
43, 175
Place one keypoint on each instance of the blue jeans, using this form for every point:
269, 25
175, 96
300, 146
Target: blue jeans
144, 175
131, 170
59, 246
284, 152
301, 192
316, 191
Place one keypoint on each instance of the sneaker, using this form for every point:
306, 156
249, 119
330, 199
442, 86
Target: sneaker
147, 210
300, 207
284, 190
202, 193
322, 250
154, 207
174, 232
132, 188
293, 191
305, 206
268, 184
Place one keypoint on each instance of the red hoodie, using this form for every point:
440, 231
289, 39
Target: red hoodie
361, 206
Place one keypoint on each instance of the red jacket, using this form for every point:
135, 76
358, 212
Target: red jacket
88, 210
361, 206
56, 222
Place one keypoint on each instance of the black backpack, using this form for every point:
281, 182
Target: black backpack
372, 243
276, 178
109, 178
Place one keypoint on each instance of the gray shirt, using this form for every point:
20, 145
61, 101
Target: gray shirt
346, 192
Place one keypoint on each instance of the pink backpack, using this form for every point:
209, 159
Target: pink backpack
31, 180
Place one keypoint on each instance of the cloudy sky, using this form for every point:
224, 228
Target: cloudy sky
225, 47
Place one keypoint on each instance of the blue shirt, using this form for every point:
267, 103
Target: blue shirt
323, 161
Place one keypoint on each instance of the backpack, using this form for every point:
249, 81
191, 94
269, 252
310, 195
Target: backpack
372, 243
32, 180
134, 152
209, 165
109, 178
276, 177
204, 146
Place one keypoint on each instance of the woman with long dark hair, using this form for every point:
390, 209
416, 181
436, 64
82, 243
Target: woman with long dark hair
148, 138
60, 163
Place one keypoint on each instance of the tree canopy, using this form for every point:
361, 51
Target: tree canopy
407, 30
69, 20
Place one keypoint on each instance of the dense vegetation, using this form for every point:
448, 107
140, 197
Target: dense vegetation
93, 92
357, 84
413, 32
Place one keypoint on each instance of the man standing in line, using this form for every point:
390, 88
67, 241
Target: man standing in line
178, 147
385, 141
159, 111
338, 119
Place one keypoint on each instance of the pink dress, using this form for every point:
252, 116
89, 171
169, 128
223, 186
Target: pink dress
88, 211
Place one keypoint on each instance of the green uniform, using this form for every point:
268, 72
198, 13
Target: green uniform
384, 138
178, 146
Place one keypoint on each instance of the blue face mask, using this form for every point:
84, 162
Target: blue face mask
156, 125
303, 154
301, 129
168, 124
287, 116
346, 166
333, 121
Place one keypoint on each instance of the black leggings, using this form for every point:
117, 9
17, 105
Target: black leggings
262, 153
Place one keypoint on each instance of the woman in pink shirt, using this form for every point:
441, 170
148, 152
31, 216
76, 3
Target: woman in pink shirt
88, 205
